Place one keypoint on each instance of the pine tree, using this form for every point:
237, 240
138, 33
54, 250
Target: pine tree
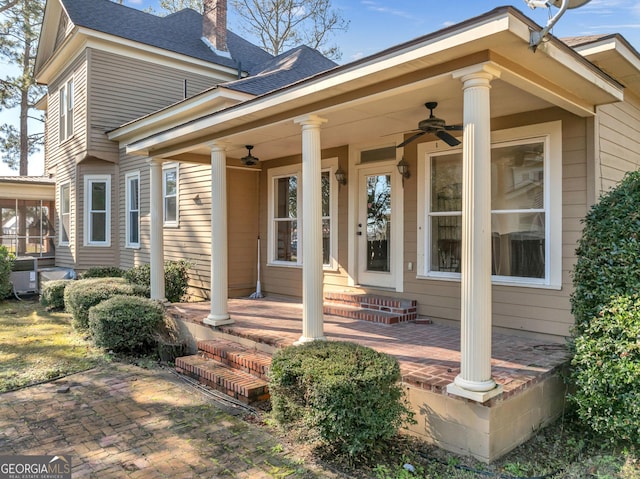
20, 23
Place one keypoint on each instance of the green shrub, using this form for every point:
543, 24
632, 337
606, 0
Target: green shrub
608, 252
175, 278
81, 295
52, 295
126, 324
348, 396
606, 371
6, 263
103, 272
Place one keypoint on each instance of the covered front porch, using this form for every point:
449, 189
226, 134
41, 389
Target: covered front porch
429, 356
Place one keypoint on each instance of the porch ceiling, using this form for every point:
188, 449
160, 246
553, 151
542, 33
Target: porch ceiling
377, 99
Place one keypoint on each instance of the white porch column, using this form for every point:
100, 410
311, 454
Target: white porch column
219, 314
312, 274
157, 238
475, 381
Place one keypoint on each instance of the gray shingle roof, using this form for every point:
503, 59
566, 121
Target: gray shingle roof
285, 69
179, 32
28, 180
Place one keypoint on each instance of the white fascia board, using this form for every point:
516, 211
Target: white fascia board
563, 57
610, 44
217, 98
388, 62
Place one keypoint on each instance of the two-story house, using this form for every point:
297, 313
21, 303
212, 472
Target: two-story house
469, 209
105, 65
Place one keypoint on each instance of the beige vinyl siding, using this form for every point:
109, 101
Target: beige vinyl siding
123, 89
60, 158
619, 142
538, 310
89, 256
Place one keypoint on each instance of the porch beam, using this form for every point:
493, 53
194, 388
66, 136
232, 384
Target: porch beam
475, 380
219, 313
312, 273
156, 263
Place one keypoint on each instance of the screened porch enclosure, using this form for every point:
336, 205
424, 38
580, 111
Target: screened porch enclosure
27, 227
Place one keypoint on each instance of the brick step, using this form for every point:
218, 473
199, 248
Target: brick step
239, 385
355, 312
236, 356
373, 301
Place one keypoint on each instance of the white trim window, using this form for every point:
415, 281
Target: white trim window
526, 208
132, 220
65, 107
65, 214
97, 218
285, 224
170, 194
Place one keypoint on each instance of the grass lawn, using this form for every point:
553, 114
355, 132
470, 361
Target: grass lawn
38, 345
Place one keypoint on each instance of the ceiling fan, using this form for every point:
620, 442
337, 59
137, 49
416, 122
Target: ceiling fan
434, 125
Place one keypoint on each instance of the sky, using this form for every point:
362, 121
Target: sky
376, 25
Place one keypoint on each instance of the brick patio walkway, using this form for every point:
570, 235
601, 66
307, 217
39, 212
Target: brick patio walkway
429, 354
122, 421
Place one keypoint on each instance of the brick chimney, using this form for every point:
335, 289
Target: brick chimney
214, 24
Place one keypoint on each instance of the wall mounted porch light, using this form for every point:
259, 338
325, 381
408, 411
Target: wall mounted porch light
249, 160
403, 169
341, 176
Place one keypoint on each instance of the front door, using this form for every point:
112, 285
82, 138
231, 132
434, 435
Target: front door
376, 240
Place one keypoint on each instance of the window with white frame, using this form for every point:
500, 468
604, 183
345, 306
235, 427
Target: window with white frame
97, 221
65, 213
285, 225
170, 194
132, 198
66, 100
525, 209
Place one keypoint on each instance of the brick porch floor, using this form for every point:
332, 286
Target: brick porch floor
429, 354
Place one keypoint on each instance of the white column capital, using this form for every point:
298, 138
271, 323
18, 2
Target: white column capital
310, 120
483, 73
218, 145
154, 160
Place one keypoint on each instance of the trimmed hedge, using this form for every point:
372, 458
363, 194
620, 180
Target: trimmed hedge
103, 272
52, 296
608, 252
126, 324
176, 279
606, 371
81, 295
348, 396
6, 263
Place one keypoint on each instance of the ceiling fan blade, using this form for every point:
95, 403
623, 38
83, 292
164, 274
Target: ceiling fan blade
411, 138
454, 128
447, 138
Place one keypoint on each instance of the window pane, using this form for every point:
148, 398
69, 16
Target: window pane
378, 223
287, 241
170, 181
64, 237
170, 210
446, 234
518, 244
65, 201
446, 182
134, 237
326, 193
98, 227
326, 241
98, 196
286, 197
517, 177
133, 194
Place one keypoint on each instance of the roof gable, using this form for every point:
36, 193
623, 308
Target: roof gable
178, 33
